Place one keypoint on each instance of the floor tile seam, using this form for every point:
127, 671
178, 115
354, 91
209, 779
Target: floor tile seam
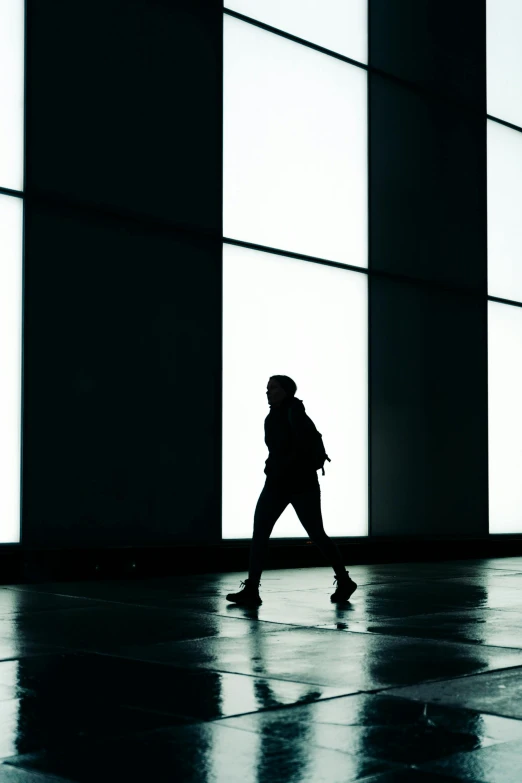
391, 725
375, 691
361, 586
294, 626
100, 600
94, 740
439, 680
247, 619
23, 589
427, 638
372, 633
44, 777
466, 610
243, 619
104, 603
425, 579
217, 720
412, 579
499, 609
203, 669
63, 650
73, 597
480, 711
284, 707
185, 718
290, 627
26, 612
70, 651
30, 756
401, 765
165, 730
27, 587
399, 636
492, 628
108, 601
222, 613
452, 607
395, 766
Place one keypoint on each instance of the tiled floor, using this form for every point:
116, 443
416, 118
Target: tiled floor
417, 679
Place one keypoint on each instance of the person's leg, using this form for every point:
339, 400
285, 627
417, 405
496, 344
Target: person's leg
307, 504
271, 503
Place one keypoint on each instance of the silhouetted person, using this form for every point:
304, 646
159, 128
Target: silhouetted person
290, 478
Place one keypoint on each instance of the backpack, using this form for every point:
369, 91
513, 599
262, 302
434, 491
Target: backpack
315, 445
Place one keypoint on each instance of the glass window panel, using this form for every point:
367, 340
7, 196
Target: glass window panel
308, 321
10, 366
295, 147
504, 211
504, 59
339, 25
505, 417
11, 93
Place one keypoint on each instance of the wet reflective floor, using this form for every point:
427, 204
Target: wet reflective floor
417, 679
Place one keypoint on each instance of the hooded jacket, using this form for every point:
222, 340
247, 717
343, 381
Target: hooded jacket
286, 451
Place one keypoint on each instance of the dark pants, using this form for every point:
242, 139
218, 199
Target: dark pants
305, 497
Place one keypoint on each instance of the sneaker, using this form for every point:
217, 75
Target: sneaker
345, 587
248, 596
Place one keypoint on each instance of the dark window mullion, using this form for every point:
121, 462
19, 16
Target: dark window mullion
504, 301
290, 254
504, 122
11, 192
294, 38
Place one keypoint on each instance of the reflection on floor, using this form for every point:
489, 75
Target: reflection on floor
417, 679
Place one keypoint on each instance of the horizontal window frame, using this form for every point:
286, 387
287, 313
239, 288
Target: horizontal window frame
294, 38
504, 122
11, 192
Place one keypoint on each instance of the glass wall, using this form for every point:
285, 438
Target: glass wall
340, 26
10, 365
505, 417
504, 59
295, 181
504, 211
295, 147
504, 85
11, 219
309, 321
11, 93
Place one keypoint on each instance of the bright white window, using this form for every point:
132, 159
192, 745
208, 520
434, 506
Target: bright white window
339, 25
504, 59
505, 417
504, 212
308, 321
10, 366
295, 147
11, 93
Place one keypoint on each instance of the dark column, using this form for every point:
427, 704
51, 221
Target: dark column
428, 266
122, 373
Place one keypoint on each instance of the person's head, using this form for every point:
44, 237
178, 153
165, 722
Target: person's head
279, 387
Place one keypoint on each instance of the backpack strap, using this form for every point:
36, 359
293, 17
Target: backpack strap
326, 455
